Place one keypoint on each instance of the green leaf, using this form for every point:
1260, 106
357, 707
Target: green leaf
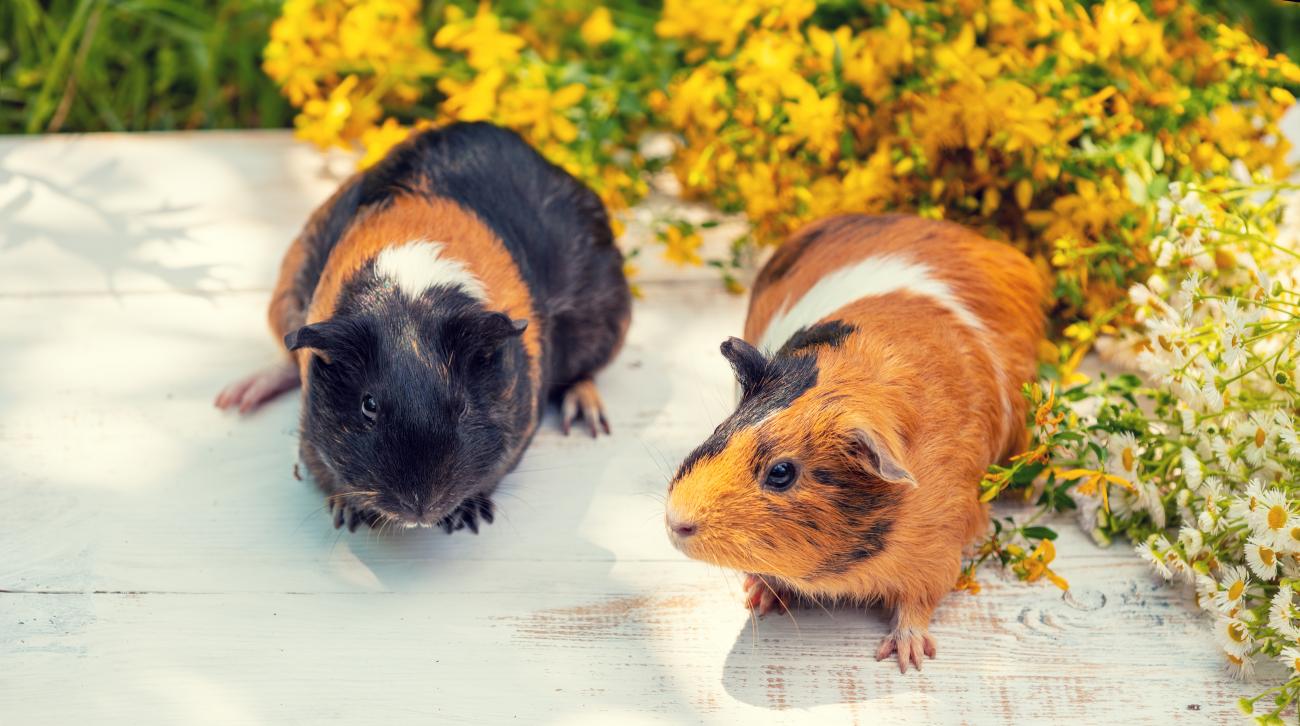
1039, 533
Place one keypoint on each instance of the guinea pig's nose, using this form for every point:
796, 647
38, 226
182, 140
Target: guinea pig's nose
681, 529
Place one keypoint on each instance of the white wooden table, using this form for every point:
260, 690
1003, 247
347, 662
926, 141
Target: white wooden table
160, 564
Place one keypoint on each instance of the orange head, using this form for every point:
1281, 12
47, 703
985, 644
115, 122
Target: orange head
800, 481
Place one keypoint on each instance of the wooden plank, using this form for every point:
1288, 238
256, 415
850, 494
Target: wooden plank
564, 642
159, 563
201, 212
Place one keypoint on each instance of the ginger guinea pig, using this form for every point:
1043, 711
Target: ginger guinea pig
879, 377
428, 309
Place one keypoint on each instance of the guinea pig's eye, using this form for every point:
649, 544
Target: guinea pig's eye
781, 476
369, 406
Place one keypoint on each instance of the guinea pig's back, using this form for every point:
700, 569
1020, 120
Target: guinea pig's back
837, 261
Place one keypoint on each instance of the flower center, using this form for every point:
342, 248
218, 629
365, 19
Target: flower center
1276, 517
1237, 632
1260, 438
1267, 556
1127, 457
1234, 592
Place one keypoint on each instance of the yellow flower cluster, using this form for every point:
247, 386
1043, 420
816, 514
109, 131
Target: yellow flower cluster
345, 63
1051, 123
357, 68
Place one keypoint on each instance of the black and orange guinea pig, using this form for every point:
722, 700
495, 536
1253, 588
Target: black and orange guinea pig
879, 377
429, 309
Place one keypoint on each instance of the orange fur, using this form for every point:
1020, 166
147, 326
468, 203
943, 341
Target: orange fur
921, 382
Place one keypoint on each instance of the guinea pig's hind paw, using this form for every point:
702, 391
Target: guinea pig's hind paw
910, 645
582, 397
249, 393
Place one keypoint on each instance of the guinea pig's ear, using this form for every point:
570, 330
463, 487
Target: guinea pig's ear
875, 457
479, 332
749, 364
314, 336
498, 326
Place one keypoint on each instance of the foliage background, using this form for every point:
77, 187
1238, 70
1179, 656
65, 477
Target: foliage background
156, 65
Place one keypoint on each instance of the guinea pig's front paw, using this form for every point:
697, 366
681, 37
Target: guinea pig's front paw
909, 644
468, 514
765, 596
351, 516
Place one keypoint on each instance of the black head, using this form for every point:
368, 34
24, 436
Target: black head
413, 406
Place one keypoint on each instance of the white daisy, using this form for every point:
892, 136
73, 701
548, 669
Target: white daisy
1271, 516
1206, 587
1288, 540
1192, 541
1282, 613
1256, 434
1233, 583
1210, 397
1155, 556
1148, 497
1290, 657
1233, 635
1244, 505
1241, 668
1261, 558
1285, 429
1193, 471
1123, 456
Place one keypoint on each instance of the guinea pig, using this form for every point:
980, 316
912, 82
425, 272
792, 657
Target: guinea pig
429, 309
879, 377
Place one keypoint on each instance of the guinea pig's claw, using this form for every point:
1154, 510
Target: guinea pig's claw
468, 514
909, 645
761, 597
582, 398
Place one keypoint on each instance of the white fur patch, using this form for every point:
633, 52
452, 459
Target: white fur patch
419, 265
873, 277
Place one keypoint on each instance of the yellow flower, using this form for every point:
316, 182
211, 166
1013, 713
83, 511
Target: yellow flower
473, 101
1094, 482
966, 581
1035, 565
682, 249
378, 140
598, 28
322, 120
694, 100
541, 111
480, 38
817, 121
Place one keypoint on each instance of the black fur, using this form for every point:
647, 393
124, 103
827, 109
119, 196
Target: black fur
766, 386
455, 401
830, 333
556, 229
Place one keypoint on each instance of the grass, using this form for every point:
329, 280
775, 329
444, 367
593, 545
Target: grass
134, 65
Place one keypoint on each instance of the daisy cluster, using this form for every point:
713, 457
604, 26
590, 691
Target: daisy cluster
1195, 455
